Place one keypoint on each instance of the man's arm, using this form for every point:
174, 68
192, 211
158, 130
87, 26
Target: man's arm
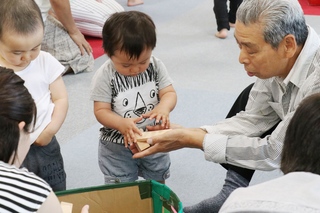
237, 140
172, 140
224, 144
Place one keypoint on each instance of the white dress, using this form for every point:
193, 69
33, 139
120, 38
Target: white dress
89, 15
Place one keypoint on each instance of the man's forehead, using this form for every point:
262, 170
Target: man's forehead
248, 35
249, 44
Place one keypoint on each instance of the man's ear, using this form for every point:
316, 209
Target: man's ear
290, 45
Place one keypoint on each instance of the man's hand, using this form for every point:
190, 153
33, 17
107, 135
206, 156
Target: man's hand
165, 142
172, 140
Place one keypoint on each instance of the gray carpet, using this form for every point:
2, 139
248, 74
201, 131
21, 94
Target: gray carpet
208, 78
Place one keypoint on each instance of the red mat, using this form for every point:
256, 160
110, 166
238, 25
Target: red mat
309, 9
96, 44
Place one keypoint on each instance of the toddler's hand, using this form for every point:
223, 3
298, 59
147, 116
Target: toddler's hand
161, 116
129, 130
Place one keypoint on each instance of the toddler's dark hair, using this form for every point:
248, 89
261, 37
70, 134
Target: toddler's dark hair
130, 31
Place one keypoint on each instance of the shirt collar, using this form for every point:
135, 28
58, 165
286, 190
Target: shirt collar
299, 70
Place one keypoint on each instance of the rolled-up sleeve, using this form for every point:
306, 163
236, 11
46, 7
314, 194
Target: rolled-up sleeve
214, 146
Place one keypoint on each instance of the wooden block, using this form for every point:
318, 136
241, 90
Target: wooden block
66, 207
142, 139
142, 145
149, 134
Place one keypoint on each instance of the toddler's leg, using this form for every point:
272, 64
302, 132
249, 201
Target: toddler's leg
47, 163
116, 163
155, 167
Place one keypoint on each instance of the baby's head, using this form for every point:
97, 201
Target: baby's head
21, 16
21, 32
130, 32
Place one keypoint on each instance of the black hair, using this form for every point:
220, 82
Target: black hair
130, 31
16, 105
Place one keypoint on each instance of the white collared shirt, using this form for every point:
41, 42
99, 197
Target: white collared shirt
295, 192
237, 140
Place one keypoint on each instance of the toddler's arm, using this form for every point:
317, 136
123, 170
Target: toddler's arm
60, 99
108, 118
168, 100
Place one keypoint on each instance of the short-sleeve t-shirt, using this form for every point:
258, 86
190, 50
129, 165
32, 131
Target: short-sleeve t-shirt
38, 76
129, 96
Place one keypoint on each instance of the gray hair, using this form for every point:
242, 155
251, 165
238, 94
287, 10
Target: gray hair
278, 17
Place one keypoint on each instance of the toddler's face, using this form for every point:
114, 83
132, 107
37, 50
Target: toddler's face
131, 67
17, 50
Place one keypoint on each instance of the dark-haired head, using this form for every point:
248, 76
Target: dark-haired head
131, 32
16, 106
301, 149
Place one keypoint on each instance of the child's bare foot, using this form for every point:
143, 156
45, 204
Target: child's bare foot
222, 33
134, 2
232, 24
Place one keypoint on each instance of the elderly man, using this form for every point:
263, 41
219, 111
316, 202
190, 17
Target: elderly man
283, 52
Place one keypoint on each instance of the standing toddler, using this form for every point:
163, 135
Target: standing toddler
131, 90
21, 34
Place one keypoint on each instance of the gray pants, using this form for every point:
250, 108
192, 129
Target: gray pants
117, 164
47, 163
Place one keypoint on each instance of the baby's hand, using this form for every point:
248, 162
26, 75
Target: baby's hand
129, 129
161, 116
